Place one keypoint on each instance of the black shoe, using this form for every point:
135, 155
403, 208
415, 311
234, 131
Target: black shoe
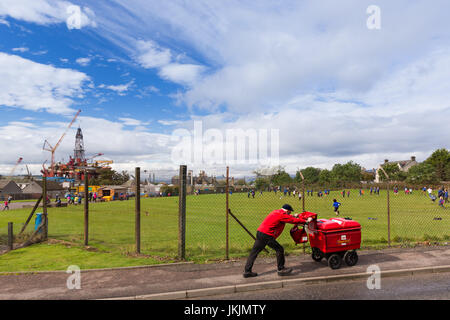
284, 271
249, 274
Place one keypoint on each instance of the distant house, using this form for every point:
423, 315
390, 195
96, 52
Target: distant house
403, 165
151, 189
130, 185
53, 188
9, 188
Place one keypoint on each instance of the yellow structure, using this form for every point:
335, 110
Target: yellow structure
107, 198
80, 189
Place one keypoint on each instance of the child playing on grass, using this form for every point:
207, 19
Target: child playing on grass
336, 206
441, 202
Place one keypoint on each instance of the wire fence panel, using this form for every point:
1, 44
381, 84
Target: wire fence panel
250, 206
206, 214
388, 214
418, 218
385, 217
205, 226
18, 215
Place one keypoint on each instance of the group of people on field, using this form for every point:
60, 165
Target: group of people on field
442, 195
406, 190
78, 197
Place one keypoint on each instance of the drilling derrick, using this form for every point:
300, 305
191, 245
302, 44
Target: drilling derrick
79, 147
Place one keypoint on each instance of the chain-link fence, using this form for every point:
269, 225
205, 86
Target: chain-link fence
389, 214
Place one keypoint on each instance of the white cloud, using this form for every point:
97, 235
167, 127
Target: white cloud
123, 145
40, 52
34, 86
259, 56
83, 61
336, 90
181, 73
400, 117
5, 22
121, 89
170, 122
47, 12
151, 55
20, 49
133, 122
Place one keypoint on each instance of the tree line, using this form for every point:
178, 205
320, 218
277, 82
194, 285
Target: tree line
433, 170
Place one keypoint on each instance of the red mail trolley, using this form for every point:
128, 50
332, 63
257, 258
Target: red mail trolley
335, 239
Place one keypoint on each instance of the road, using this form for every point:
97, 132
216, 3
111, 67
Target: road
421, 287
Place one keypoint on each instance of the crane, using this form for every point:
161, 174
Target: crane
29, 176
95, 156
103, 163
53, 149
15, 166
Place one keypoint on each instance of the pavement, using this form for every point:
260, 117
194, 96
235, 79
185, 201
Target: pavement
17, 204
189, 280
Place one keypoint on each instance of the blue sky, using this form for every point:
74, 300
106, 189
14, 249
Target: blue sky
139, 70
146, 95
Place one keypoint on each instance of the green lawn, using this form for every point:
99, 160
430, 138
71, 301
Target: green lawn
111, 228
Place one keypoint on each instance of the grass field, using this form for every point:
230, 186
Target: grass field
111, 228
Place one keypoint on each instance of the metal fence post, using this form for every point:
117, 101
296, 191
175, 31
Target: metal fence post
388, 207
137, 177
10, 236
86, 208
303, 196
44, 206
182, 214
388, 215
227, 206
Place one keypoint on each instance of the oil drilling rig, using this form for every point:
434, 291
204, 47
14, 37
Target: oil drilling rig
77, 165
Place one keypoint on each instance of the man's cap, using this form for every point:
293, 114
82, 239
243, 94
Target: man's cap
287, 207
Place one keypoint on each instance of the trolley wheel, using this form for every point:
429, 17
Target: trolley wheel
351, 258
317, 255
334, 261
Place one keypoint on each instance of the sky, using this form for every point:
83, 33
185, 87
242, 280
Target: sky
332, 85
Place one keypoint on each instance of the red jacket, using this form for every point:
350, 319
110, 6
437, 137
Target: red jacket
273, 224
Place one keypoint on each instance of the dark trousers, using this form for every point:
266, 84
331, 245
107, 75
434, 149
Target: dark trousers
263, 240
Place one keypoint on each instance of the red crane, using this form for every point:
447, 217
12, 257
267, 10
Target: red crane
53, 149
15, 166
95, 156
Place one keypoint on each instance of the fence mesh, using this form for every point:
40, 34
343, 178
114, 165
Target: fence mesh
391, 213
387, 217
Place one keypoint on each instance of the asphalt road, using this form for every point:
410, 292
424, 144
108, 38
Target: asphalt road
421, 287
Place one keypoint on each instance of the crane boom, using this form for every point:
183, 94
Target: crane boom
15, 166
95, 156
53, 149
60, 139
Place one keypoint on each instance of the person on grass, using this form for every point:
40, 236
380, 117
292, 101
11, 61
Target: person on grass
336, 206
441, 202
266, 235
